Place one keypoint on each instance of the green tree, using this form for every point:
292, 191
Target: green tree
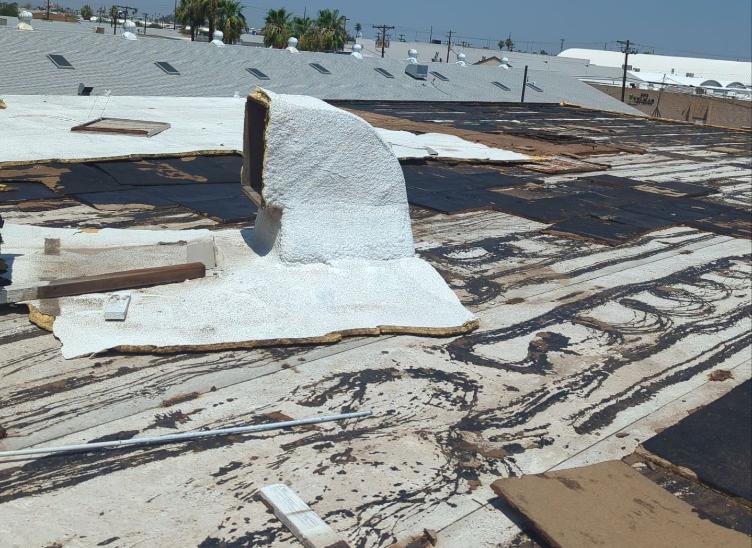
501, 44
509, 44
277, 28
11, 10
231, 20
192, 13
331, 28
86, 12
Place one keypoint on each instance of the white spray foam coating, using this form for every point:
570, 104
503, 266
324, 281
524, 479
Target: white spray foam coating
332, 251
333, 188
246, 298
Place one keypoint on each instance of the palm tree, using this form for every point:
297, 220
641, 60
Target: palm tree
305, 30
331, 26
211, 10
509, 44
193, 13
277, 28
231, 20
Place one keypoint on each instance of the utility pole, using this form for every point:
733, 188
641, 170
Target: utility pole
430, 35
561, 47
48, 10
624, 77
175, 17
449, 45
383, 29
524, 85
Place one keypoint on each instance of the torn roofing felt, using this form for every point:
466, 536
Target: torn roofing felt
331, 254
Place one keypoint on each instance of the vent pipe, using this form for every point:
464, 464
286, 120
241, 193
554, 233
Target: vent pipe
129, 30
24, 20
412, 56
356, 51
218, 39
292, 45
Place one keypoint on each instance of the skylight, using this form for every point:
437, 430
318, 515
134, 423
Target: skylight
321, 69
439, 76
532, 86
500, 85
384, 72
167, 67
59, 61
257, 73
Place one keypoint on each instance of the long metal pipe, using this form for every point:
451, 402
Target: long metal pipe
183, 436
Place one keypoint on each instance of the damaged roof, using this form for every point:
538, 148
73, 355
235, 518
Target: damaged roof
586, 348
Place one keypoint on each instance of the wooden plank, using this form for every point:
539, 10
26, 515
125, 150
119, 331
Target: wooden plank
129, 279
297, 516
610, 504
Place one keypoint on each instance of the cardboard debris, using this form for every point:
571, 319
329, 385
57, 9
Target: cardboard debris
610, 504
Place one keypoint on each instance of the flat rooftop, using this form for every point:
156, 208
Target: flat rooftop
606, 307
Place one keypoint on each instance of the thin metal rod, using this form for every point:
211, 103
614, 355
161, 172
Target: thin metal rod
184, 436
524, 85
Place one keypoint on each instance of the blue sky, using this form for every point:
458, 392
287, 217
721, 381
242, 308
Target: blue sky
719, 28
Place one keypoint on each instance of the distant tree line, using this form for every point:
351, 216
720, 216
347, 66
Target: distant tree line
325, 33
224, 15
9, 9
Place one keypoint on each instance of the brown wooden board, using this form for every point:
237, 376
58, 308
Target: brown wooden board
113, 281
610, 504
140, 128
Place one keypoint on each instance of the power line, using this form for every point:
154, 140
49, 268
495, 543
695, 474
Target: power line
626, 58
383, 29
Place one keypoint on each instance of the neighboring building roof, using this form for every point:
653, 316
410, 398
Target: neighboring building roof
124, 67
691, 67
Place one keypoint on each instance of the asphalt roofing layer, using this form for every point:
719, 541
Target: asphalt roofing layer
584, 351
714, 442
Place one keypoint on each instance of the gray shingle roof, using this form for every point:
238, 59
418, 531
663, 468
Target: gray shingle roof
128, 68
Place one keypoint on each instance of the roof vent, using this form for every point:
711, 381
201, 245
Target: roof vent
505, 63
356, 51
322, 69
292, 45
24, 20
257, 73
419, 72
84, 90
129, 28
218, 39
167, 68
412, 56
461, 60
385, 73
